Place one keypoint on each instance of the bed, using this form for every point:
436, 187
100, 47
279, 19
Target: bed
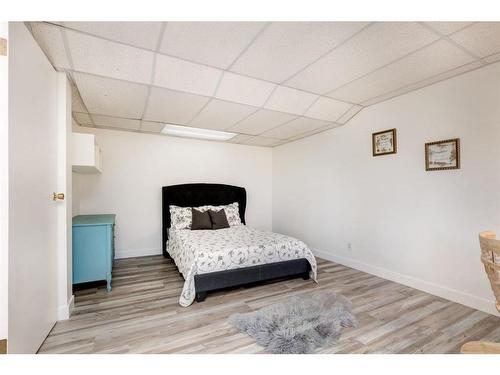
211, 260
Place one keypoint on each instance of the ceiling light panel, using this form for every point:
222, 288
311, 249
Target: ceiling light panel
111, 97
191, 132
284, 48
261, 121
447, 28
154, 127
114, 122
176, 74
296, 127
482, 38
371, 49
221, 115
101, 57
289, 100
244, 90
212, 43
418, 66
173, 106
51, 42
327, 109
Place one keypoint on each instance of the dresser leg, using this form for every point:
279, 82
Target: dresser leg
108, 287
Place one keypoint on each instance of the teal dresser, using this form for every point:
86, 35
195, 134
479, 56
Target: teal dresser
93, 248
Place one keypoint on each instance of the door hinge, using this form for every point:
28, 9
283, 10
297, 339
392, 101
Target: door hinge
3, 47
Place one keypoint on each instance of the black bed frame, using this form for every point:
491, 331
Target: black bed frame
194, 195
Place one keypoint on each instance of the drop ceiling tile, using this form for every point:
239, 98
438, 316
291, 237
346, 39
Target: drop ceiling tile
83, 119
279, 143
101, 57
176, 74
447, 28
261, 141
349, 114
115, 122
154, 127
221, 115
492, 58
50, 40
377, 45
315, 131
286, 47
173, 106
139, 34
76, 100
327, 109
261, 121
482, 38
432, 60
245, 90
296, 127
429, 81
111, 97
240, 138
286, 99
212, 43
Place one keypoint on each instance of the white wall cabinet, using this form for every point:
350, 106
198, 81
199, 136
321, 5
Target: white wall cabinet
86, 154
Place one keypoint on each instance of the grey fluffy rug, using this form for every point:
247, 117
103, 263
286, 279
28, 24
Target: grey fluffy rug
299, 324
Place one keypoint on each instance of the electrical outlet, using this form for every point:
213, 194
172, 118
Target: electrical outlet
349, 246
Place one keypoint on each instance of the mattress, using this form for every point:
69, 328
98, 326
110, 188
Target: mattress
204, 251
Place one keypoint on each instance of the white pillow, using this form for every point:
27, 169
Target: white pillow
180, 217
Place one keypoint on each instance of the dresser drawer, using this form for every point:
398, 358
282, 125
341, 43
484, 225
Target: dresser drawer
91, 254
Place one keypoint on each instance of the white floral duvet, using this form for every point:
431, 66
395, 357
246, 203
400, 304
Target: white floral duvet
204, 251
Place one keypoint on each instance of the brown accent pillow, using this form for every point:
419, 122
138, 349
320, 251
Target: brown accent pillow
201, 220
219, 219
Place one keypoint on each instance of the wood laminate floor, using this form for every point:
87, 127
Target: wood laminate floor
142, 315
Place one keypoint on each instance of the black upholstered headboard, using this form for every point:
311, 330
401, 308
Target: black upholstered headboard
194, 195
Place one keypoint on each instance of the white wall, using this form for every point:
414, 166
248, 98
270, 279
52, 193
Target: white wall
416, 227
136, 166
4, 186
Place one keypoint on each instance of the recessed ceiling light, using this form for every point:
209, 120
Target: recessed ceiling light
187, 131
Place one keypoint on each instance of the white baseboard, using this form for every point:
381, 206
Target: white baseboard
120, 254
64, 312
454, 295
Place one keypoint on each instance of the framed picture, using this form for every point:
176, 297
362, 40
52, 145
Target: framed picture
442, 155
384, 142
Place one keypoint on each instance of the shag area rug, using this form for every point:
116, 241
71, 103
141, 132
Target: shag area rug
299, 324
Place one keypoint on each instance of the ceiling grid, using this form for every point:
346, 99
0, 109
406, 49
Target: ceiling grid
137, 76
